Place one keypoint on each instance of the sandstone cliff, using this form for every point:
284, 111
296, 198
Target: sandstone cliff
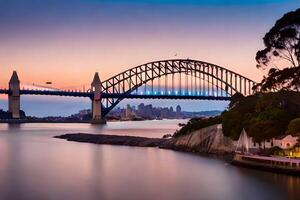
208, 140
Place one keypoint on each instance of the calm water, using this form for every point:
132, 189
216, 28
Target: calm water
33, 165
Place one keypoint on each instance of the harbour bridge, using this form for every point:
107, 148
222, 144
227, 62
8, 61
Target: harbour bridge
165, 79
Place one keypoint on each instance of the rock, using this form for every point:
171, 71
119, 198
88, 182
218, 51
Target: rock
167, 136
209, 140
113, 139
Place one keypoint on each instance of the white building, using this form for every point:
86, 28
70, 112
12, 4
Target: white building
283, 142
286, 141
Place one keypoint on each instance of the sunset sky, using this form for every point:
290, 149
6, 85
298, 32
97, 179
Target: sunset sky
66, 41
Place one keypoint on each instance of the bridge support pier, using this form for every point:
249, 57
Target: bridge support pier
96, 87
14, 96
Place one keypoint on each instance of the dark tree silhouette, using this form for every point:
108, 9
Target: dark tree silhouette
287, 79
281, 54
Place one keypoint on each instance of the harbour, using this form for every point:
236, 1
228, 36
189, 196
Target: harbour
31, 158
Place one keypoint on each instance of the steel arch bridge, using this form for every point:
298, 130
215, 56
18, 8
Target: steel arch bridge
165, 79
174, 79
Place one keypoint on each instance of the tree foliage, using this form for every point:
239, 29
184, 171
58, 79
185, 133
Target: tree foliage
281, 54
286, 79
264, 129
8, 115
196, 124
235, 119
282, 41
294, 126
235, 99
264, 116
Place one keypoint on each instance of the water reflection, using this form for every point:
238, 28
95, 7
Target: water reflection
13, 128
36, 166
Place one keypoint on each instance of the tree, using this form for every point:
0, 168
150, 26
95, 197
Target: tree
294, 126
235, 99
281, 54
286, 79
196, 124
262, 130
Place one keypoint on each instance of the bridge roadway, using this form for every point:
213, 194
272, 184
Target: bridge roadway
117, 95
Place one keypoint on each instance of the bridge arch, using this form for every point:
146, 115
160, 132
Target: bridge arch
207, 81
206, 75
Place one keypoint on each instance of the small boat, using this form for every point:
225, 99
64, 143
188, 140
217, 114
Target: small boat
276, 164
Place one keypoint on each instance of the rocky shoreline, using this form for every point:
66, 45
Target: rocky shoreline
206, 141
114, 139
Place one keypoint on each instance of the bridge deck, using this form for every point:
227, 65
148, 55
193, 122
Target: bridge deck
116, 95
4, 91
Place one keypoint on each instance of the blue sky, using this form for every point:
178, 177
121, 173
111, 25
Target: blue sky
198, 2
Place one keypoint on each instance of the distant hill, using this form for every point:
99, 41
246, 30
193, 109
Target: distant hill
209, 113
8, 115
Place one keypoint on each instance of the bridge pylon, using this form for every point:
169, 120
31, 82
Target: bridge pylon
96, 88
14, 96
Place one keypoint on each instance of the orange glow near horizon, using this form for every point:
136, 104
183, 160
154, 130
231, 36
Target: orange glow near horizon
76, 64
68, 53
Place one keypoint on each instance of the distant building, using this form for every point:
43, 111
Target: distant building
178, 111
171, 109
286, 141
283, 142
84, 112
128, 111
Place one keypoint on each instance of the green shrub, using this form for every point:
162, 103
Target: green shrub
272, 151
294, 126
196, 124
265, 129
